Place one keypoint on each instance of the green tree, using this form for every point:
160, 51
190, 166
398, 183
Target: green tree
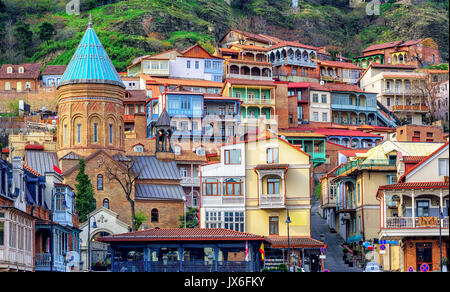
139, 219
46, 31
191, 218
13, 105
84, 197
24, 36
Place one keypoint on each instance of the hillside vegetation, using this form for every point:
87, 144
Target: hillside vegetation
42, 31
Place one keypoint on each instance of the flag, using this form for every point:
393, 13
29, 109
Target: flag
247, 258
261, 250
56, 169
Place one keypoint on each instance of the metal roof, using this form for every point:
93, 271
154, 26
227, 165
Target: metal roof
159, 192
41, 161
152, 168
90, 63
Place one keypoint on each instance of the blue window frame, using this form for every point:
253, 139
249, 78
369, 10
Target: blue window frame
188, 64
197, 64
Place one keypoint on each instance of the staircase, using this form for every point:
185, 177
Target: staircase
388, 117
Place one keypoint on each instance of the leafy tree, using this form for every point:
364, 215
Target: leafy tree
24, 36
46, 31
191, 218
84, 197
139, 219
13, 105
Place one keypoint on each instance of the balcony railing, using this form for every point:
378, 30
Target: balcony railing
223, 200
249, 77
361, 164
294, 61
422, 108
419, 222
263, 101
271, 201
190, 181
43, 262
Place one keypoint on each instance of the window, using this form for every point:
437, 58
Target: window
20, 69
65, 134
99, 182
232, 156
28, 85
324, 117
272, 155
9, 70
423, 208
388, 101
429, 134
315, 97
79, 133
2, 233
138, 148
106, 203
213, 219
211, 187
59, 201
417, 133
232, 187
95, 132
238, 94
332, 190
197, 64
110, 133
7, 86
358, 191
315, 116
234, 221
273, 225
183, 172
188, 64
324, 98
207, 64
392, 179
273, 186
291, 119
443, 167
155, 215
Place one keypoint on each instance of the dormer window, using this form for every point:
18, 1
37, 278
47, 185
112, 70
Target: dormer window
20, 69
9, 70
138, 148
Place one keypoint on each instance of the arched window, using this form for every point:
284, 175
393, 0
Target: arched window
155, 215
106, 203
20, 69
100, 182
9, 69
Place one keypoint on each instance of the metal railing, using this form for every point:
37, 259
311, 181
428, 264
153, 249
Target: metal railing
258, 101
409, 108
271, 201
419, 222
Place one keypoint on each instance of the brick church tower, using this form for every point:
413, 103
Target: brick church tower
90, 102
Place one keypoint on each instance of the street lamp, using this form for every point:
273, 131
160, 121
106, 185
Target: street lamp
94, 225
288, 221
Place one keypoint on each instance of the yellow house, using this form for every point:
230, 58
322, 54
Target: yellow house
278, 184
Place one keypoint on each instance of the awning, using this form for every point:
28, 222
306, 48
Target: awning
294, 242
354, 238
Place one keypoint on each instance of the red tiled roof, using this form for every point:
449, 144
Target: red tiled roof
183, 234
311, 85
292, 44
294, 242
345, 65
344, 87
228, 50
413, 159
250, 82
136, 95
30, 70
54, 70
352, 152
416, 185
342, 132
386, 66
25, 166
391, 45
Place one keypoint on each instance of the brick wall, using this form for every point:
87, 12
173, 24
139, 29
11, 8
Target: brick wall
417, 133
36, 98
410, 252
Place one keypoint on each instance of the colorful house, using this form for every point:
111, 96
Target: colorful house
20, 77
294, 62
157, 65
414, 215
334, 71
358, 210
52, 74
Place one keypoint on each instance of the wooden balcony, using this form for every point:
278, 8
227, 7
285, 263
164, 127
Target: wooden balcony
409, 108
410, 226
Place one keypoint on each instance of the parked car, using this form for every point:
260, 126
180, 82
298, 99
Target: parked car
372, 267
